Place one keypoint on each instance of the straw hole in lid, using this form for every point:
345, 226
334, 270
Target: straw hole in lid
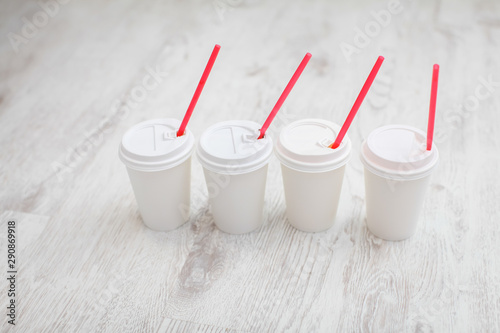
170, 135
326, 142
249, 138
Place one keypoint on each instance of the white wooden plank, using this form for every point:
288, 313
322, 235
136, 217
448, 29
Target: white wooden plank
88, 264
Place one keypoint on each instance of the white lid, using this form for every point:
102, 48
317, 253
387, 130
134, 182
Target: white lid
232, 147
398, 152
153, 145
304, 145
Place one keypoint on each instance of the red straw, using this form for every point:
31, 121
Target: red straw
284, 95
198, 90
432, 107
357, 103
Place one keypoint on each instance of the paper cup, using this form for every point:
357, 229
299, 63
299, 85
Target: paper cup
159, 167
397, 172
312, 172
235, 167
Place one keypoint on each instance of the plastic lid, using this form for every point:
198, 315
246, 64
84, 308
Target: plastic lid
153, 145
398, 152
232, 147
304, 145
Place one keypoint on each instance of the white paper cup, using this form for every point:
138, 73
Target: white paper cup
397, 172
235, 167
312, 172
159, 167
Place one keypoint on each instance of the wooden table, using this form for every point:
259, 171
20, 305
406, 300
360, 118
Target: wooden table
76, 75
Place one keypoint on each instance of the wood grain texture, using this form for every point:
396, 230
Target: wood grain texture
87, 263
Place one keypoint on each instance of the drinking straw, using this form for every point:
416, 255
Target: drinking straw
432, 107
284, 95
198, 90
357, 103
